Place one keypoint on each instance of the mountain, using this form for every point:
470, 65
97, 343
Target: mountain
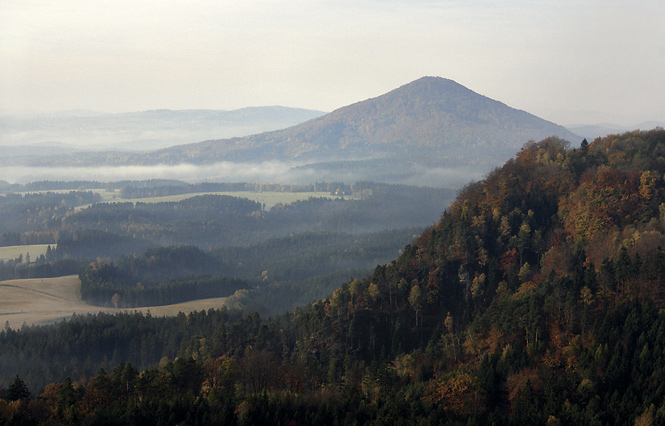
431, 120
428, 118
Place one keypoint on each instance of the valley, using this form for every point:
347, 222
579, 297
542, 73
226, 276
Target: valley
191, 241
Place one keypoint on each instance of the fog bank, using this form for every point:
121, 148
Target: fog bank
264, 172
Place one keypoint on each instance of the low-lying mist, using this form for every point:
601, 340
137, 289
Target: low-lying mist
264, 172
226, 171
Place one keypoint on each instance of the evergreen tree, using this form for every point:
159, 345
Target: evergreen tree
18, 390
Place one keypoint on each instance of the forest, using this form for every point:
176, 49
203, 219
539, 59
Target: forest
278, 274
538, 297
83, 228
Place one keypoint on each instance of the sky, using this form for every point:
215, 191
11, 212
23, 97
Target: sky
571, 62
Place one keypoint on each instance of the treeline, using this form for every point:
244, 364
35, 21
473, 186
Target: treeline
204, 208
217, 221
80, 346
160, 276
130, 228
161, 263
18, 269
45, 265
80, 185
164, 187
305, 255
104, 285
26, 238
76, 185
296, 270
88, 244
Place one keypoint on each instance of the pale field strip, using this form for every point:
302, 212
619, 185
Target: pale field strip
35, 250
269, 198
40, 301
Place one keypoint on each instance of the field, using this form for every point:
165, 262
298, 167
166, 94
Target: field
12, 252
40, 301
267, 198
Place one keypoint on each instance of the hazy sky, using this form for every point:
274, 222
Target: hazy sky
567, 61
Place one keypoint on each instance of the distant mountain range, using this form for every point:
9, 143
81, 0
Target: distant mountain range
71, 131
591, 132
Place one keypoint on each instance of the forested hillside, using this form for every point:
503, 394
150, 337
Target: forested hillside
537, 298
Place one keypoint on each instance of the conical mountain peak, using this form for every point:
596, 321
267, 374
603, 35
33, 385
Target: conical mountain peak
432, 119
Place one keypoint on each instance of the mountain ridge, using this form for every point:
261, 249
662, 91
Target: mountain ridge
429, 102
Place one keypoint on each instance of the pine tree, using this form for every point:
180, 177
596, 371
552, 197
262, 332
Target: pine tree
18, 390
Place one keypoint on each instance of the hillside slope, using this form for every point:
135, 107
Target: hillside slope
537, 295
